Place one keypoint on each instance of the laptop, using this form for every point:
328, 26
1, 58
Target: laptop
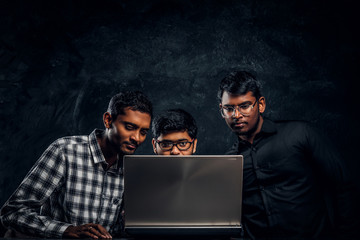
196, 195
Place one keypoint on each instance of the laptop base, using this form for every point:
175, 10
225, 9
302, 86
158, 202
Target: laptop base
185, 231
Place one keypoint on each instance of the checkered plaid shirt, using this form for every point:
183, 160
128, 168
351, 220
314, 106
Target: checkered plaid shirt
68, 185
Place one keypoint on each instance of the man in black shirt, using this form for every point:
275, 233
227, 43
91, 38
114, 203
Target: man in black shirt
295, 185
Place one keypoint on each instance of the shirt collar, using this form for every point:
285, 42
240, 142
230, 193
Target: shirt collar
96, 152
95, 147
268, 128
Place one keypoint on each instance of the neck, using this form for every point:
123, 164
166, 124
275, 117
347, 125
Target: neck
250, 136
110, 154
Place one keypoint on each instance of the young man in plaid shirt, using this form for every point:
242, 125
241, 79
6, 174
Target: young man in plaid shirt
75, 188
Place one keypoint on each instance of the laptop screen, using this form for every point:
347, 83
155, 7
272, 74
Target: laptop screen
182, 192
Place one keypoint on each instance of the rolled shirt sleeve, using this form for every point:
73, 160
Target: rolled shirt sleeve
22, 210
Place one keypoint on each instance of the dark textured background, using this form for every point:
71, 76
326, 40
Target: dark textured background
61, 61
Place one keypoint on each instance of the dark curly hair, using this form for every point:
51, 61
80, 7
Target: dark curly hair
174, 120
239, 83
136, 100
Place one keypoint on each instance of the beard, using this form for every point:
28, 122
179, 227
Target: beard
246, 130
122, 146
126, 150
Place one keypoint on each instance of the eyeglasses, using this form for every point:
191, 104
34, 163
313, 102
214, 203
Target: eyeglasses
181, 145
243, 109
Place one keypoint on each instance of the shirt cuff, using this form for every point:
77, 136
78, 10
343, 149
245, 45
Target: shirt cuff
56, 229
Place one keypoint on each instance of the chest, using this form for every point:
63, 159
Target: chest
274, 159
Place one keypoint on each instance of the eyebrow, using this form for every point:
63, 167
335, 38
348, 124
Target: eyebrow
243, 103
130, 123
135, 125
178, 140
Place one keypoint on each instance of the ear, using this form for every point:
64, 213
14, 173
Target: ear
262, 104
195, 144
107, 120
154, 145
220, 107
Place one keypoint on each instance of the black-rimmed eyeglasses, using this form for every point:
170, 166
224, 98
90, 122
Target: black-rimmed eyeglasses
181, 145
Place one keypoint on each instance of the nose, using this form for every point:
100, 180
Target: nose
135, 137
175, 151
237, 113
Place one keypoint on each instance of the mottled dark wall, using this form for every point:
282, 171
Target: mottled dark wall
61, 61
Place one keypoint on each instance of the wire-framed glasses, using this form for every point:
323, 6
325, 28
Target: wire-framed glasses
228, 111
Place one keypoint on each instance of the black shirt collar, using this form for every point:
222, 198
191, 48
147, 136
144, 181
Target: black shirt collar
268, 128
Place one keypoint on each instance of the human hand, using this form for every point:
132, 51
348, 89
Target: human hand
89, 230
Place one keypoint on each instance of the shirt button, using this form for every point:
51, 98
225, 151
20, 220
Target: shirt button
116, 201
268, 213
262, 188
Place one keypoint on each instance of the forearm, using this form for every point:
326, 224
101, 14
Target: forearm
28, 221
22, 211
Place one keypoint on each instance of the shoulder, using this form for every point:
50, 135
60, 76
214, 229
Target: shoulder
67, 145
297, 132
63, 150
290, 123
293, 126
71, 140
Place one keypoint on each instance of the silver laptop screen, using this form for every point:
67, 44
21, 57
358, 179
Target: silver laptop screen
182, 191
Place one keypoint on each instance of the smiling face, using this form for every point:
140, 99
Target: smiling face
244, 126
127, 131
179, 137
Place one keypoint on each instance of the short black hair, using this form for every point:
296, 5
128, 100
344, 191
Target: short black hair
174, 120
136, 100
239, 83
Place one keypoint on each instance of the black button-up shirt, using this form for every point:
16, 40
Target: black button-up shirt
288, 171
